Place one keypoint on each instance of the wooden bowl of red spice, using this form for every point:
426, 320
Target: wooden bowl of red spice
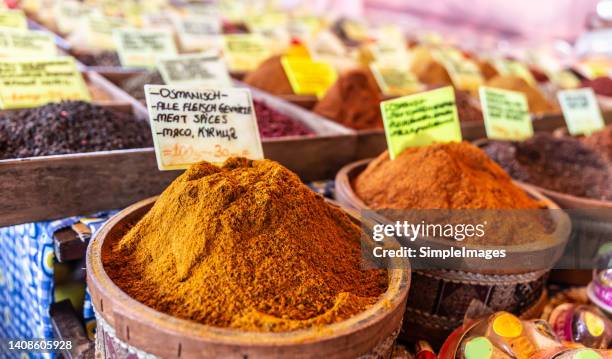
127, 326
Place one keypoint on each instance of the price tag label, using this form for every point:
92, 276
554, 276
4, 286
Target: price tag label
24, 43
244, 52
203, 70
506, 114
99, 30
464, 73
142, 48
32, 83
14, 19
308, 77
513, 68
420, 120
199, 32
393, 81
581, 112
69, 13
192, 125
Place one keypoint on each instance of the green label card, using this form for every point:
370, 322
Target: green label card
190, 125
421, 120
506, 114
581, 112
142, 48
35, 82
195, 70
25, 43
15, 19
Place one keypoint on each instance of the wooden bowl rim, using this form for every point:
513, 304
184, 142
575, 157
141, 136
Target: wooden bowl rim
344, 186
390, 302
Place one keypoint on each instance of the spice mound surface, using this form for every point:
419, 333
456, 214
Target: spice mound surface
453, 183
245, 246
270, 76
535, 99
559, 164
353, 101
69, 127
441, 176
601, 142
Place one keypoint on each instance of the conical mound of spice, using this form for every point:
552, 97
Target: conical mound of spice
270, 77
601, 142
245, 246
440, 176
453, 183
535, 99
353, 101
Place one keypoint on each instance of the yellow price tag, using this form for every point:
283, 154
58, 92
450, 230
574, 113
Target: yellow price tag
31, 83
308, 77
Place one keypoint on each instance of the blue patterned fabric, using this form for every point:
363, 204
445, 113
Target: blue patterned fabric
26, 278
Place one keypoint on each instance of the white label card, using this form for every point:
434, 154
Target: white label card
195, 70
581, 111
192, 125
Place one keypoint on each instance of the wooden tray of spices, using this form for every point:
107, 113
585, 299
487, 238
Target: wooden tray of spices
59, 186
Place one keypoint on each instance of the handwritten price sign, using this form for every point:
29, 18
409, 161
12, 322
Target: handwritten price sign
190, 125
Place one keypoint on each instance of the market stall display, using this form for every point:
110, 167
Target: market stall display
348, 129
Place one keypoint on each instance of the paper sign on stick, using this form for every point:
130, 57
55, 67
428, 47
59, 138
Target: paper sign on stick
421, 120
192, 125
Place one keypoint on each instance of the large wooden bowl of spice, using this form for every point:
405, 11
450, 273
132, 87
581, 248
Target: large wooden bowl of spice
126, 327
439, 297
520, 258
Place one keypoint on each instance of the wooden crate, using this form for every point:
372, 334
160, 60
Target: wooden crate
52, 187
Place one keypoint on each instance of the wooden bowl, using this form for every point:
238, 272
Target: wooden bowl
524, 256
124, 322
439, 298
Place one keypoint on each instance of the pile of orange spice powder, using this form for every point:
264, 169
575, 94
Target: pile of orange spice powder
245, 246
454, 176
